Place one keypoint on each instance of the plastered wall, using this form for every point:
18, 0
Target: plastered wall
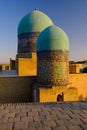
16, 89
19, 89
51, 94
79, 81
76, 90
27, 66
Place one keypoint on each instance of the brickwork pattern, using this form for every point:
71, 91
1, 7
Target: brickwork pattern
27, 42
44, 116
52, 67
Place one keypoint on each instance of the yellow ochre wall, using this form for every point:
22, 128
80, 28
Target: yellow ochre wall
79, 81
75, 68
76, 90
5, 66
50, 95
27, 66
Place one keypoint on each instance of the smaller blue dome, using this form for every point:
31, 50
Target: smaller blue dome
52, 38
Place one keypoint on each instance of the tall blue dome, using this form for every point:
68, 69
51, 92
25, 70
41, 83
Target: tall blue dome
35, 21
29, 28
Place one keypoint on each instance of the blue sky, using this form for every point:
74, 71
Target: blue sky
70, 15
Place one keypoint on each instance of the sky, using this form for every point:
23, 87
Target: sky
70, 15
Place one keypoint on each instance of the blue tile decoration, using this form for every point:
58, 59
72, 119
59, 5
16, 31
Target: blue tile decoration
27, 42
52, 67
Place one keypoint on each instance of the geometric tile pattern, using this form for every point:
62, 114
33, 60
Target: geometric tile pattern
27, 42
52, 67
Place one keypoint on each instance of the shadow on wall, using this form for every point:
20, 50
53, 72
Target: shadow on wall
16, 89
81, 98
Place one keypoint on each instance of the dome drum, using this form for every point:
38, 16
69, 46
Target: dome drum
27, 42
52, 68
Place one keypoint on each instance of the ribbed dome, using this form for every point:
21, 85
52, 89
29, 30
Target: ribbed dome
35, 21
52, 38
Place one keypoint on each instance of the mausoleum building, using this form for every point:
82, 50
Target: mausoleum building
40, 71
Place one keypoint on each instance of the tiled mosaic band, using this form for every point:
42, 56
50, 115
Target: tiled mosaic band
27, 42
52, 68
24, 55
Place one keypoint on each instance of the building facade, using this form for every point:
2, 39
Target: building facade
42, 65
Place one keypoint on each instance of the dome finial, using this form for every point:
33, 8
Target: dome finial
36, 9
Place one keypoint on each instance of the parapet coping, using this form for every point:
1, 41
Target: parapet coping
41, 103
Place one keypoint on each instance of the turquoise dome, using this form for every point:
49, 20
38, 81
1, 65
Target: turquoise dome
52, 38
35, 21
